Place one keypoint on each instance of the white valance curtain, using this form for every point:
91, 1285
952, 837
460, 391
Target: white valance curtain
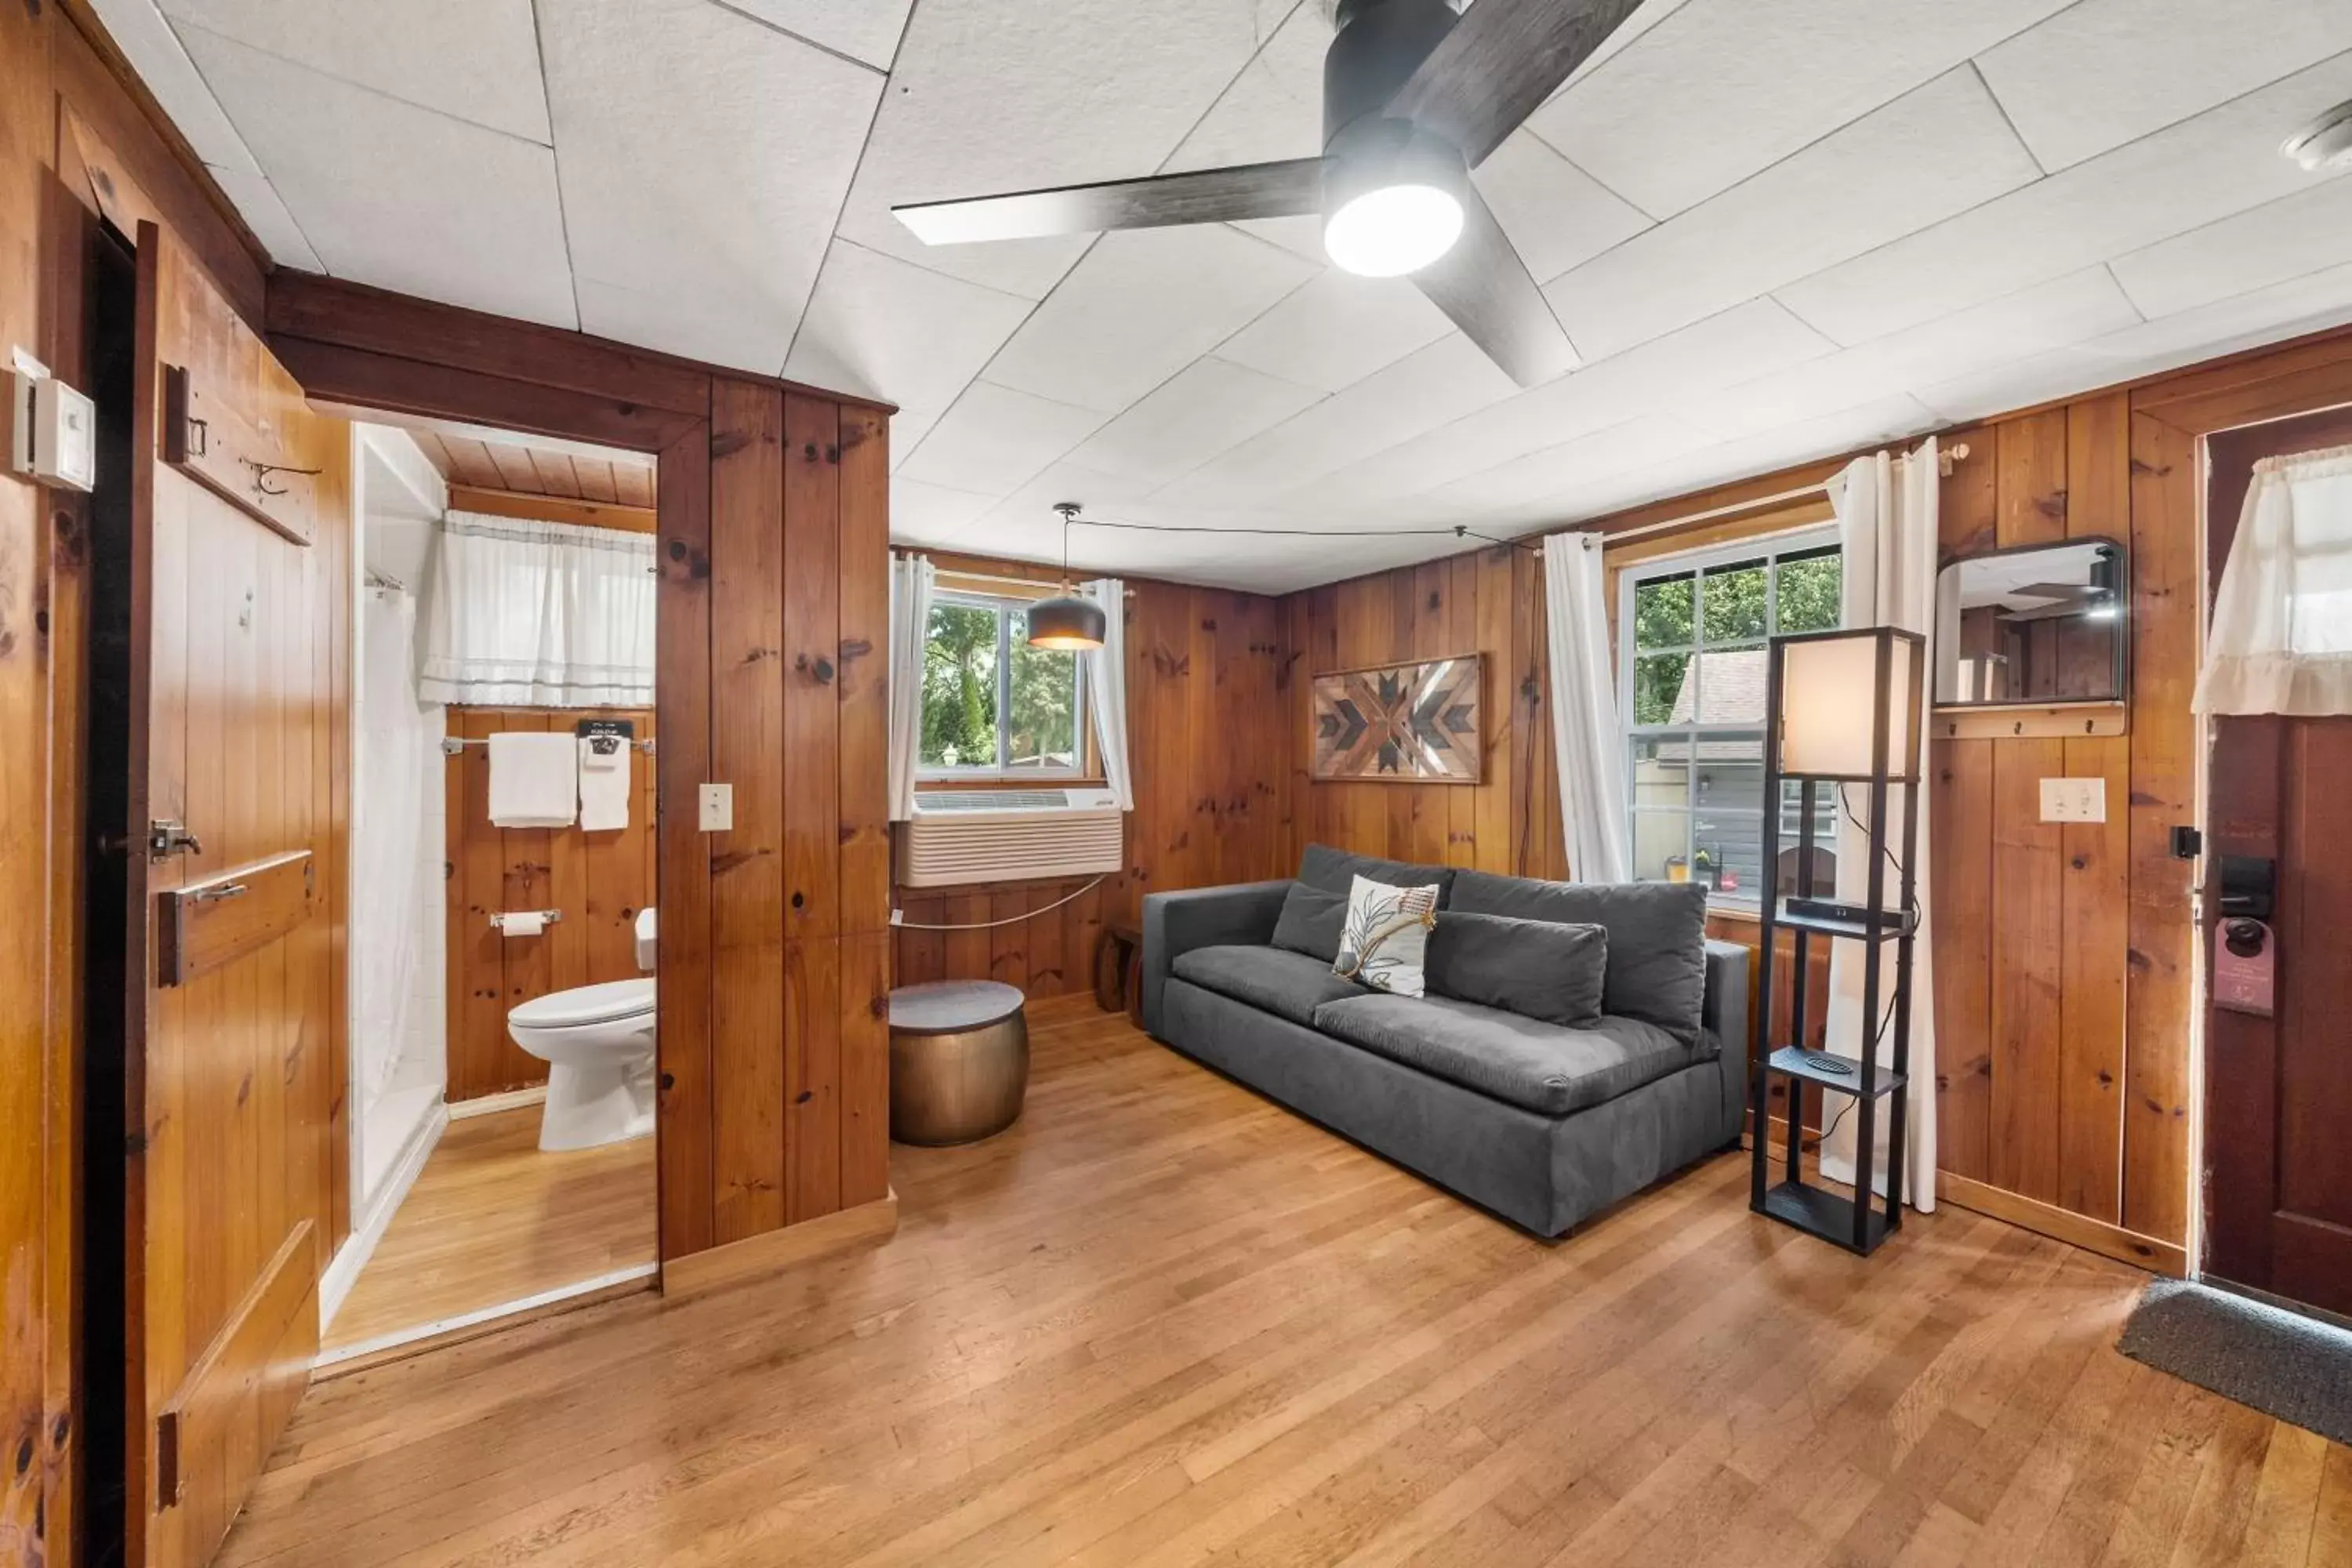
2282, 637
912, 579
1588, 736
1102, 674
1887, 509
538, 615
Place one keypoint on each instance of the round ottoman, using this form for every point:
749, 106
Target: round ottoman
959, 1060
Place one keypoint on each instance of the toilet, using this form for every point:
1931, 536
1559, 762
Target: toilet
598, 1044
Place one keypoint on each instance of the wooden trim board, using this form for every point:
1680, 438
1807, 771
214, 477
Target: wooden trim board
2064, 1225
773, 1251
553, 509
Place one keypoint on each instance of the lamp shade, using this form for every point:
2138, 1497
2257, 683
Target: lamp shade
1066, 624
1830, 698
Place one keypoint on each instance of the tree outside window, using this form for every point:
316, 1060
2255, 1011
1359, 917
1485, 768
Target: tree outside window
993, 704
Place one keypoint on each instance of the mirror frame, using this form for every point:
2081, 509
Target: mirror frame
2123, 640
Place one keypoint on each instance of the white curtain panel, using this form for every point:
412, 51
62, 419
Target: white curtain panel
394, 747
1887, 528
1586, 736
539, 615
911, 580
2282, 639
1103, 673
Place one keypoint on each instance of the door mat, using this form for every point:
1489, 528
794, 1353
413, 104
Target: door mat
2295, 1368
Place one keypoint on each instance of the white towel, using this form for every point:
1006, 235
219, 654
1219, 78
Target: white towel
534, 780
604, 786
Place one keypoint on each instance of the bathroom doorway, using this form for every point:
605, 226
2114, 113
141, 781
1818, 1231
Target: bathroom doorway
503, 926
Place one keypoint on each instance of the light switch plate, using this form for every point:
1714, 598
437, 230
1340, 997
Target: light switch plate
717, 808
2074, 800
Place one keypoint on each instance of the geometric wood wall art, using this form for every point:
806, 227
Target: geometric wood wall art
1400, 724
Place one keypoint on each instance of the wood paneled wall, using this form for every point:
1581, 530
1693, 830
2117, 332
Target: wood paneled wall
1207, 722
599, 881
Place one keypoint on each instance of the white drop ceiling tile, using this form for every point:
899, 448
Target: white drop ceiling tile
1556, 213
907, 428
2303, 233
722, 198
2044, 377
1300, 235
2222, 161
1141, 306
2070, 310
693, 326
987, 98
1206, 409
995, 439
475, 59
1541, 477
1934, 152
1338, 330
1419, 392
883, 329
1885, 422
1273, 109
155, 51
931, 514
1724, 89
865, 30
265, 213
447, 209
2305, 305
1645, 17
2104, 72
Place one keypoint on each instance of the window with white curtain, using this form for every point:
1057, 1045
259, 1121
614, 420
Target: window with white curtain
1691, 652
993, 706
538, 615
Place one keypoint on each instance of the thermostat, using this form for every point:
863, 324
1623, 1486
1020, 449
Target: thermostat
52, 429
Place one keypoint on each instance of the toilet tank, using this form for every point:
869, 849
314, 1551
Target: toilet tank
645, 941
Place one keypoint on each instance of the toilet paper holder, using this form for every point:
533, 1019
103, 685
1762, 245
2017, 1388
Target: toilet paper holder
546, 917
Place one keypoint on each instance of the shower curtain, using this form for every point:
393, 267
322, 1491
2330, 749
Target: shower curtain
394, 751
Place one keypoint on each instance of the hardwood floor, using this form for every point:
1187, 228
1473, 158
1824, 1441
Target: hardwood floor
492, 1220
1163, 1321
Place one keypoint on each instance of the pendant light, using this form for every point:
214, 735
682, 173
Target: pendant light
1066, 623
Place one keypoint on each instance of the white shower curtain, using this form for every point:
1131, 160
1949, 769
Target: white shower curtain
1588, 736
394, 748
1886, 531
1104, 671
2282, 639
911, 578
539, 615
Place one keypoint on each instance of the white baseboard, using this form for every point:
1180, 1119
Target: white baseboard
343, 1272
491, 1104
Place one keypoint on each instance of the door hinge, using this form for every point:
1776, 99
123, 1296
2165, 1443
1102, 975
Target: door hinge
167, 1461
2187, 844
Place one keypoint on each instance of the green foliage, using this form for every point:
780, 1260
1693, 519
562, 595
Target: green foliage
1808, 598
1042, 730
1667, 613
960, 693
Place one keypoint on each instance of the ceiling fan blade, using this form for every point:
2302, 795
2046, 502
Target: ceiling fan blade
2058, 590
1485, 288
1502, 59
1288, 189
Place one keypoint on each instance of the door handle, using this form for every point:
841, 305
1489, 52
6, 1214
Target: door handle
214, 895
167, 836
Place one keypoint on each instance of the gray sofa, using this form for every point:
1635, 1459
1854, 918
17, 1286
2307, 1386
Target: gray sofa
1538, 1122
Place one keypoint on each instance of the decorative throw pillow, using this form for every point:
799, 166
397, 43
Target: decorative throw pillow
1534, 968
1386, 934
1310, 922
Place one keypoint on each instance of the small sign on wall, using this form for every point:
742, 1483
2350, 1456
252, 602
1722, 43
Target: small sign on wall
2245, 966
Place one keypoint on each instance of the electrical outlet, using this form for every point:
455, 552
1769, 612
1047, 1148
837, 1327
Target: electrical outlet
717, 808
2074, 800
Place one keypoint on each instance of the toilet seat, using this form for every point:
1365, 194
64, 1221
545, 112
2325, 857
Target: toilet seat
608, 1003
598, 1044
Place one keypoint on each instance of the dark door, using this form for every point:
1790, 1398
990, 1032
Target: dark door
2278, 1088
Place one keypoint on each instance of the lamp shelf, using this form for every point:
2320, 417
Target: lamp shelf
1819, 1212
1889, 924
1789, 1061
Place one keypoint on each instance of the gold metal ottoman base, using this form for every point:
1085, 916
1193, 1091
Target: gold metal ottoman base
959, 1061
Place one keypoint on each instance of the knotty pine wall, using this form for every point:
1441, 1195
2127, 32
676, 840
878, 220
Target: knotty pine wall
599, 881
1207, 724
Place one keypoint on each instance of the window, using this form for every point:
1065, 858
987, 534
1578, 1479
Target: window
1691, 666
994, 706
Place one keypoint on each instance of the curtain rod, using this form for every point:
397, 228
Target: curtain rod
1944, 460
1046, 589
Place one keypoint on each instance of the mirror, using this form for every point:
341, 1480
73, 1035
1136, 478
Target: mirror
2045, 623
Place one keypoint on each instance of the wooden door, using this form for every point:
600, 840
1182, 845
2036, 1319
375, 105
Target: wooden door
2279, 1088
235, 566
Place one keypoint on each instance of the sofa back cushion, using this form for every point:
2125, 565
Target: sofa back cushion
1311, 922
1335, 872
1658, 937
1534, 968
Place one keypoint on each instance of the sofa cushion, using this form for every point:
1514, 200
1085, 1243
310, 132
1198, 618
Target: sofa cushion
1526, 1061
1534, 968
1311, 922
1288, 984
1658, 937
1335, 872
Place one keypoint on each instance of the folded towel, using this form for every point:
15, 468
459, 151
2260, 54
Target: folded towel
534, 780
605, 784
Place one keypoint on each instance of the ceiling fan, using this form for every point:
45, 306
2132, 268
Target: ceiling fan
1414, 98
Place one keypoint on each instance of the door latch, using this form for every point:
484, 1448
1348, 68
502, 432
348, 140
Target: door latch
167, 836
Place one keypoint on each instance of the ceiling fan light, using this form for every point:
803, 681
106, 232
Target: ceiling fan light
1066, 624
1392, 230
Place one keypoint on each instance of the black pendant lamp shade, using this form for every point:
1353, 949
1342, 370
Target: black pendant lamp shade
1066, 623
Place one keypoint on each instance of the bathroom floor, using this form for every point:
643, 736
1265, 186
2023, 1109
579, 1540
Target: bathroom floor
491, 1221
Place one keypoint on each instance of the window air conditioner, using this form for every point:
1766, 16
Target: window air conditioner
959, 836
